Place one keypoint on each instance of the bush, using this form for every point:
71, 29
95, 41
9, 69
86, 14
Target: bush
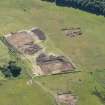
11, 70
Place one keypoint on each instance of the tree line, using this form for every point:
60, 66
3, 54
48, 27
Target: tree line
94, 6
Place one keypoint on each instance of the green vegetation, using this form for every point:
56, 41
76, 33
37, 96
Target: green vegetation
95, 6
18, 90
86, 51
99, 86
49, 0
11, 69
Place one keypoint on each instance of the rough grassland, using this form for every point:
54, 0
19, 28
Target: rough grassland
18, 91
87, 51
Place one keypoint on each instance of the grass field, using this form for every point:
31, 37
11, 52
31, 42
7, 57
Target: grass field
86, 51
18, 91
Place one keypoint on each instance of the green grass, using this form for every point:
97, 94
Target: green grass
16, 90
86, 51
4, 57
71, 82
19, 93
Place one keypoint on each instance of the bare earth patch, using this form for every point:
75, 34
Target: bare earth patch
51, 64
27, 42
72, 32
67, 99
23, 42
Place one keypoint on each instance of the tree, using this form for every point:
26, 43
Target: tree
94, 6
11, 69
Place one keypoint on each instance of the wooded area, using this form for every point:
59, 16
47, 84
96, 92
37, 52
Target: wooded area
94, 6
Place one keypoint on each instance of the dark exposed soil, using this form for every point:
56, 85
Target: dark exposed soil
23, 42
40, 34
50, 64
72, 32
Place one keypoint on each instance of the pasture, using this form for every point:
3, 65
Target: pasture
86, 51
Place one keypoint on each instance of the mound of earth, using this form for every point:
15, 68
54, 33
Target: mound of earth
67, 99
72, 32
40, 34
22, 42
51, 64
